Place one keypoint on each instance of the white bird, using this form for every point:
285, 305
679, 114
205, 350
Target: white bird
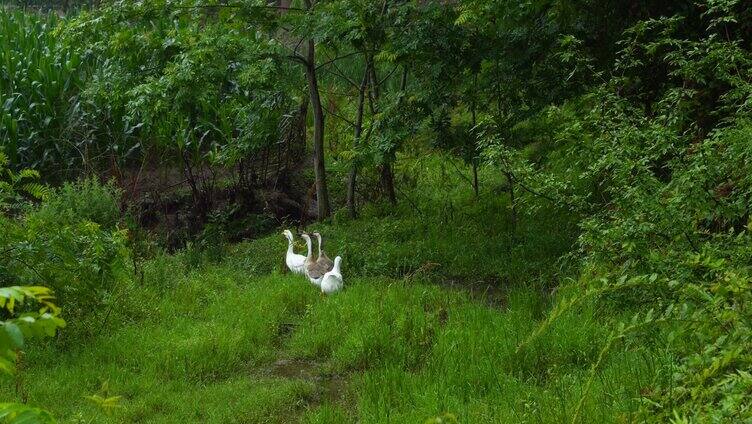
294, 261
313, 271
332, 281
323, 260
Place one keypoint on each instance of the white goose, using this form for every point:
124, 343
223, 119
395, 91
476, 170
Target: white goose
332, 280
294, 261
313, 271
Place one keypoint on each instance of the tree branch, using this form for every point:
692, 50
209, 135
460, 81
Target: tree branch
297, 46
298, 58
459, 171
338, 58
535, 193
389, 75
331, 112
338, 72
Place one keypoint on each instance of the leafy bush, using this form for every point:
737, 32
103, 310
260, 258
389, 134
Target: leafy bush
86, 200
666, 227
23, 321
56, 245
81, 261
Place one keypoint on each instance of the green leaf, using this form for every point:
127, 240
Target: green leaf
16, 413
14, 334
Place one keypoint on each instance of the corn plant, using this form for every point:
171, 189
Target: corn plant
39, 80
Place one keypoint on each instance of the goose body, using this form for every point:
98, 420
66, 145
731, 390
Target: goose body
332, 280
323, 261
294, 261
313, 270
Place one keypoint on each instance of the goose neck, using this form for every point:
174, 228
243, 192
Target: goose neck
289, 247
310, 248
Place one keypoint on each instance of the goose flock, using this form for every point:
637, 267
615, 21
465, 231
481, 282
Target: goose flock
321, 271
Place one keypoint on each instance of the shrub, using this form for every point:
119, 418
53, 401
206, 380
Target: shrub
14, 333
58, 245
666, 229
85, 200
17, 303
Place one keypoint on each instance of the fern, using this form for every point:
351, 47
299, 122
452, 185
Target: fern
23, 183
36, 190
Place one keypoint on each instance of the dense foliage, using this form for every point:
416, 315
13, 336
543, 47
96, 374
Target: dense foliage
39, 82
670, 159
70, 243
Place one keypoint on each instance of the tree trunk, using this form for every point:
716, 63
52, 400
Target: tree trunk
476, 188
387, 182
200, 207
352, 180
510, 181
403, 81
387, 174
319, 168
374, 83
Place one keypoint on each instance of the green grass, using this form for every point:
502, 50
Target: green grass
381, 351
395, 350
406, 341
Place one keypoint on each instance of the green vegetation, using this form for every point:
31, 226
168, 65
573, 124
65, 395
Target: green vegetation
543, 209
39, 83
27, 311
239, 342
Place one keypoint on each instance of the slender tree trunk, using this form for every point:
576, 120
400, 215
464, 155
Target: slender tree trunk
387, 181
510, 181
352, 180
200, 205
387, 174
319, 168
375, 89
299, 143
403, 80
476, 188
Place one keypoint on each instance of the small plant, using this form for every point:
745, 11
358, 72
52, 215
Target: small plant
15, 332
104, 401
445, 418
84, 200
16, 187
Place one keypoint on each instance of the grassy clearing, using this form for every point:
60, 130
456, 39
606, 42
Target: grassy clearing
237, 341
382, 351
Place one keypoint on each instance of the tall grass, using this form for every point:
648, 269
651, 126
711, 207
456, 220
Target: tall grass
204, 348
38, 85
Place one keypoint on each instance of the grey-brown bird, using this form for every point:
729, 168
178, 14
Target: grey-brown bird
323, 260
313, 270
